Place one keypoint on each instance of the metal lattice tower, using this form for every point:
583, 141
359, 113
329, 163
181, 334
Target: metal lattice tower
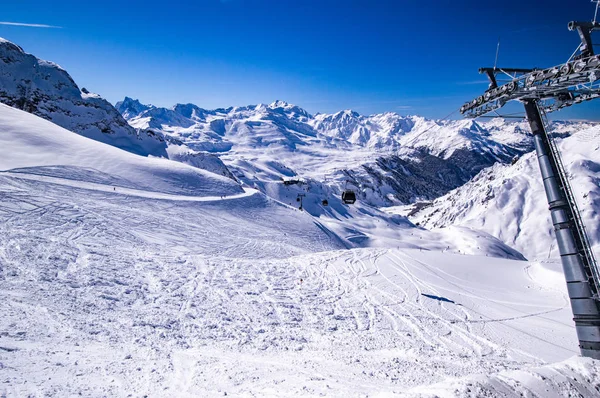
542, 91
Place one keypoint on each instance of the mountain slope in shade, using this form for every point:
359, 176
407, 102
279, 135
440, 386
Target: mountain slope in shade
509, 202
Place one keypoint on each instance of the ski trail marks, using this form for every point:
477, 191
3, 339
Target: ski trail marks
125, 191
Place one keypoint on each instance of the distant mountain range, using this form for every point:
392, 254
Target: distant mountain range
387, 159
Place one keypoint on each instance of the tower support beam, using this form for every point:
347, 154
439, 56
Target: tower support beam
582, 288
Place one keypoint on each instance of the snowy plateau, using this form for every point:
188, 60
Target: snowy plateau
158, 252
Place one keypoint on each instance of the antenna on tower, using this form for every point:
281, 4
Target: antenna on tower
498, 50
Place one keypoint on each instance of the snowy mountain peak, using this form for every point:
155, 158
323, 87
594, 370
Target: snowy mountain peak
10, 46
279, 104
473, 126
130, 107
18, 66
191, 111
286, 107
345, 125
345, 114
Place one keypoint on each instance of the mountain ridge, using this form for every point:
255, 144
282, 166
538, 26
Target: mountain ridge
387, 158
508, 200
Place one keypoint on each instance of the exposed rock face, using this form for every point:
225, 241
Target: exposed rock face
130, 107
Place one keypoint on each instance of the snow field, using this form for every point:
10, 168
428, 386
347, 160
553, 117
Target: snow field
40, 147
110, 294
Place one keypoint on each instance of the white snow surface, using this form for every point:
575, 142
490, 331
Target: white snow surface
39, 147
509, 202
155, 289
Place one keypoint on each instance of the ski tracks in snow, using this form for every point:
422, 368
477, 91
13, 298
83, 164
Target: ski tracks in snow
137, 295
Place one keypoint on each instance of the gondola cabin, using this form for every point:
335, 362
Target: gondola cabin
348, 197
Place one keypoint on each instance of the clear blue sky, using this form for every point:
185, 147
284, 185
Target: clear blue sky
407, 56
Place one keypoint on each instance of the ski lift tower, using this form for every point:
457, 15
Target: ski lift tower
542, 91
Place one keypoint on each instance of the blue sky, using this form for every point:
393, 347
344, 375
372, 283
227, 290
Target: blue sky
408, 56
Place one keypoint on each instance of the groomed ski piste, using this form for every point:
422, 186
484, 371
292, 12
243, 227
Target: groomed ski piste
129, 276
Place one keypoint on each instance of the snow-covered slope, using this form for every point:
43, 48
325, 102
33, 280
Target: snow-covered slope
36, 147
576, 377
45, 89
42, 151
110, 295
509, 201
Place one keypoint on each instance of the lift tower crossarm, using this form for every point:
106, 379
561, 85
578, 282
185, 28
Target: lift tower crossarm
491, 74
507, 70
